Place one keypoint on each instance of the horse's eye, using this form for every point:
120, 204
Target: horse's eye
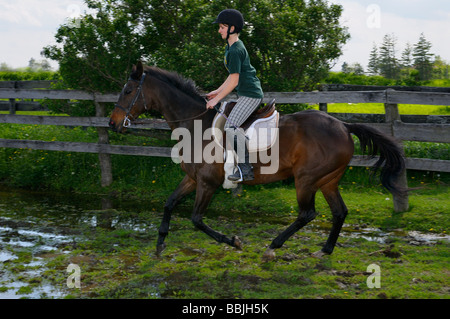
127, 91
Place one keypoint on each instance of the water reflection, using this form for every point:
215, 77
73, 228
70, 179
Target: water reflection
35, 227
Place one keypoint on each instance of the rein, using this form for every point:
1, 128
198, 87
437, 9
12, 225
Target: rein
127, 122
188, 119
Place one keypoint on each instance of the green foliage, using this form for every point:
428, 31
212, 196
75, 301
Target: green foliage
351, 78
292, 43
28, 75
409, 78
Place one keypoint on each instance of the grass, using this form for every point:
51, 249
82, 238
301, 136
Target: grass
378, 108
121, 263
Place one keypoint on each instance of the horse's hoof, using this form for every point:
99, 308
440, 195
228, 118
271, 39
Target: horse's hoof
160, 249
319, 254
269, 255
237, 243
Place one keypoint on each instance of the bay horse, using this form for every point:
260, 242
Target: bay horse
314, 148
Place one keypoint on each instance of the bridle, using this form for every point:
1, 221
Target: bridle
126, 120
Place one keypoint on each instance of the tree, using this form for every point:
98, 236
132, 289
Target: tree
32, 63
441, 69
5, 67
292, 44
42, 65
388, 63
96, 54
355, 68
422, 58
345, 68
373, 67
407, 60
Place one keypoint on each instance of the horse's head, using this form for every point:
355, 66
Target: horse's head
131, 101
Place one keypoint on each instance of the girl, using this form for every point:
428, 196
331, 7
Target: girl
242, 77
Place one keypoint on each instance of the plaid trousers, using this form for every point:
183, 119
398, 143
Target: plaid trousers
244, 107
236, 140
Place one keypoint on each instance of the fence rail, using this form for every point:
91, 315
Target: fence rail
388, 96
437, 131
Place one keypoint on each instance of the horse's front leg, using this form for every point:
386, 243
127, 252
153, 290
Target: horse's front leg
203, 197
186, 186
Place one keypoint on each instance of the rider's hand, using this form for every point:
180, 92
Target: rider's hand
211, 103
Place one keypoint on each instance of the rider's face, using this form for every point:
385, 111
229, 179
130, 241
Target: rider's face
223, 30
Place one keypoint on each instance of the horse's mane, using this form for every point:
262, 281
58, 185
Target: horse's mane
185, 85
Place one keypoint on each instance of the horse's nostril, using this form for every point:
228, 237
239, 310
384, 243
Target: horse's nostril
112, 125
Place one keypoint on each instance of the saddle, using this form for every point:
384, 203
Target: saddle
262, 112
260, 127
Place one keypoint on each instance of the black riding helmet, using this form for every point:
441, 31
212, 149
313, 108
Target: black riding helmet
231, 17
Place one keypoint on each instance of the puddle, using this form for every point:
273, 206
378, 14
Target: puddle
418, 238
36, 227
383, 237
21, 267
6, 255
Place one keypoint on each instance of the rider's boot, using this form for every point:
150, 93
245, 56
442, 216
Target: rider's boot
244, 169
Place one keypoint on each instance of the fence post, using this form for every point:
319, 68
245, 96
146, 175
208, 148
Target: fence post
12, 106
12, 102
323, 106
103, 138
401, 203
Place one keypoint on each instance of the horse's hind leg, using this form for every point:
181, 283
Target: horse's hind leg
339, 212
307, 212
186, 186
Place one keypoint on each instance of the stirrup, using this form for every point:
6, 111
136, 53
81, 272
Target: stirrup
237, 176
242, 178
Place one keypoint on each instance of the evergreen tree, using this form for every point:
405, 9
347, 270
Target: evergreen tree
388, 63
407, 60
422, 58
373, 66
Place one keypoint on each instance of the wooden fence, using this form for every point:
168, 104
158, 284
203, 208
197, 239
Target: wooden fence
433, 129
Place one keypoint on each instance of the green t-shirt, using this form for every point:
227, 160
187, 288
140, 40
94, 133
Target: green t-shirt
236, 60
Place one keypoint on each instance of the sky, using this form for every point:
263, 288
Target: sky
26, 26
369, 20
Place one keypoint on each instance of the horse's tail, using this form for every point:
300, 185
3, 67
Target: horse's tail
391, 159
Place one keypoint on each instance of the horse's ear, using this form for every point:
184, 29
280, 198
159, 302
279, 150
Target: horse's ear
137, 70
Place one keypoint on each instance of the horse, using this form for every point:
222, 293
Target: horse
314, 148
